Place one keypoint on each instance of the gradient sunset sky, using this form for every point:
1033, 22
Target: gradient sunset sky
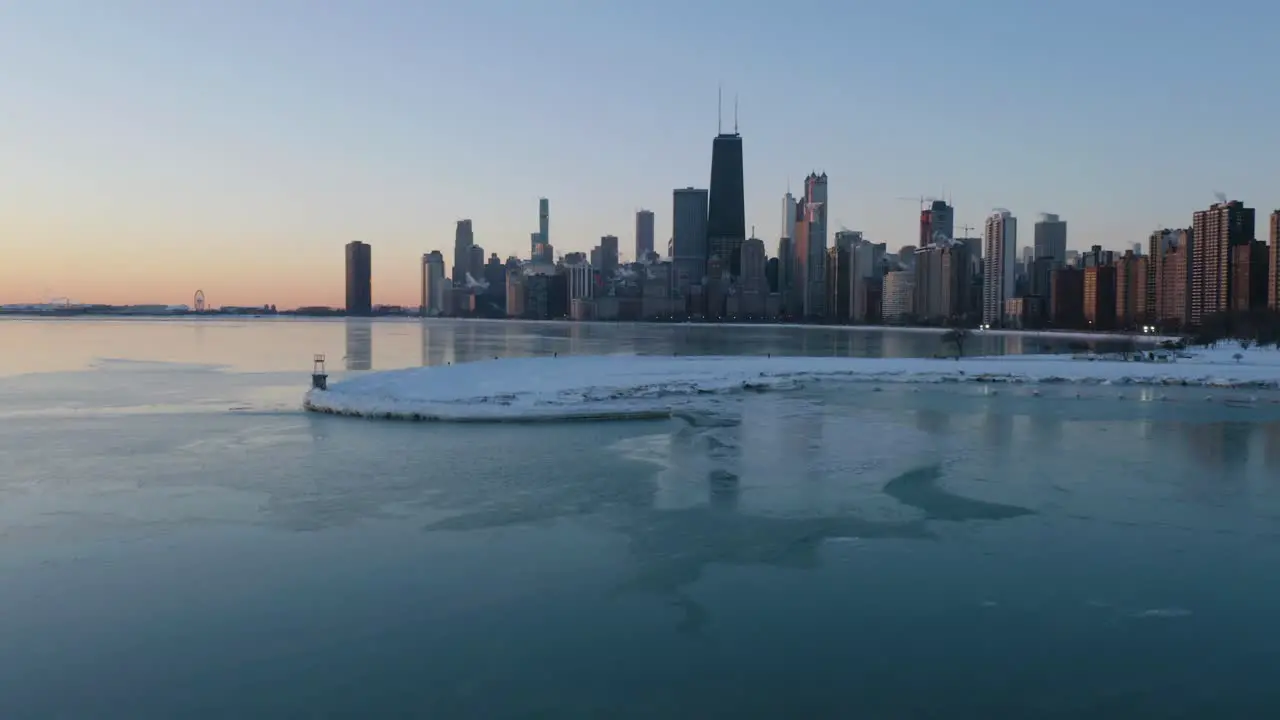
152, 147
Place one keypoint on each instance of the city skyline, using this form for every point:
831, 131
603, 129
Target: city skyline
235, 157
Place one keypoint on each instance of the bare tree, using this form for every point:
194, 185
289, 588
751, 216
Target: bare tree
957, 337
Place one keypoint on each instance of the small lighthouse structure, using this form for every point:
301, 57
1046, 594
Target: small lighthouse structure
319, 378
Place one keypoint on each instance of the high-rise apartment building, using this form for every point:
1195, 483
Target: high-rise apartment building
463, 239
942, 282
1066, 298
999, 271
1217, 230
689, 236
359, 279
644, 234
1157, 245
898, 297
1131, 291
1273, 273
1249, 276
1051, 239
1100, 297
433, 284
726, 204
1173, 296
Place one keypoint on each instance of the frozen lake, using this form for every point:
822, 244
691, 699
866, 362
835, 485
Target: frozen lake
181, 540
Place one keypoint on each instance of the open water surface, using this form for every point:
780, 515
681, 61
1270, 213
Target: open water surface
178, 539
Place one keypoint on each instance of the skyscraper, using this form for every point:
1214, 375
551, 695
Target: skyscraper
1051, 239
899, 295
999, 272
753, 287
544, 222
644, 234
1100, 297
753, 265
359, 279
937, 222
815, 213
606, 257
788, 216
1249, 276
689, 236
786, 254
1173, 294
1131, 291
476, 265
1157, 245
1273, 275
798, 281
942, 282
1216, 230
726, 205
433, 284
463, 239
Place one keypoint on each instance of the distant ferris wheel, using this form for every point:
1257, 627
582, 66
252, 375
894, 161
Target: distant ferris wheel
199, 301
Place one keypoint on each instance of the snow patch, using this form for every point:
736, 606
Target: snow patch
617, 387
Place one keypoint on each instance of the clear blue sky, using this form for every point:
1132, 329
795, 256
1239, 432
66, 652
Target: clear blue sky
149, 147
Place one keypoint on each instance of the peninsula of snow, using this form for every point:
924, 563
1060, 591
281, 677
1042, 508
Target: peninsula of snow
599, 387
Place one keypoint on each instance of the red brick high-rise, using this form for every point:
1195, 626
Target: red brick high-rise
1273, 273
1131, 291
1173, 306
1249, 276
1066, 297
1159, 243
1100, 297
1217, 229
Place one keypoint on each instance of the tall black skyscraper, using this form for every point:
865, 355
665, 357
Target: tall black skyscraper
359, 279
726, 211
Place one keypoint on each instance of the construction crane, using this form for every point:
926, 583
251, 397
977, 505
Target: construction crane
966, 228
922, 199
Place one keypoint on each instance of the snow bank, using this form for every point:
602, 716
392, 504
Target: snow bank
611, 387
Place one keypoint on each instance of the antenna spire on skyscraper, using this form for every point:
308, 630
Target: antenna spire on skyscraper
719, 109
735, 114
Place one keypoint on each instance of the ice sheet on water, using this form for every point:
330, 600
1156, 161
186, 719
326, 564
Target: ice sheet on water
596, 387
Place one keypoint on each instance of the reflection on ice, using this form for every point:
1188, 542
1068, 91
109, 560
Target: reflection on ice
919, 489
727, 493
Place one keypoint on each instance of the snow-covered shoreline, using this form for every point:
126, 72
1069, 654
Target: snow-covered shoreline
613, 387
